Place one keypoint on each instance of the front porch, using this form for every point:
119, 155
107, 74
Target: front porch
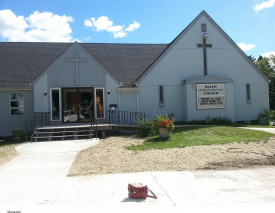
76, 131
41, 128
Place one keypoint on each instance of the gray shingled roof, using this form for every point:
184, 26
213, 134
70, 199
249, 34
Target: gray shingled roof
125, 61
22, 62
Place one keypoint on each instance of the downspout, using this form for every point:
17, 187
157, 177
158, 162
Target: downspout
118, 99
119, 103
137, 97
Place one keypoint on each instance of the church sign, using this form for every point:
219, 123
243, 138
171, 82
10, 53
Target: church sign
210, 96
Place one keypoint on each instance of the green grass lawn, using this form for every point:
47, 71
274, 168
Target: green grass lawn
202, 135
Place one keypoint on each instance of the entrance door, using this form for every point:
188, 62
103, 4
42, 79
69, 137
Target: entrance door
77, 104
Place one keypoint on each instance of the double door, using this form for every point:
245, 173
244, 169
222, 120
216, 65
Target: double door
82, 104
70, 105
77, 104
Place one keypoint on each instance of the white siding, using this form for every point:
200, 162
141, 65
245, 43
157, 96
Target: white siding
41, 101
183, 60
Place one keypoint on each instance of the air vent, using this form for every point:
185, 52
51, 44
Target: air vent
203, 27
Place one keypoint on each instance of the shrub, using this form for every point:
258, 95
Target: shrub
266, 117
146, 127
209, 120
271, 114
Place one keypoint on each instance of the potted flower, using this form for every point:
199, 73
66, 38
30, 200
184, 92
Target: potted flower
165, 125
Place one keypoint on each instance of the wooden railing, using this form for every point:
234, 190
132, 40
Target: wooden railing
125, 118
122, 117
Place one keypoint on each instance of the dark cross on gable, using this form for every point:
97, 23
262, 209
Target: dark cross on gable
204, 46
76, 60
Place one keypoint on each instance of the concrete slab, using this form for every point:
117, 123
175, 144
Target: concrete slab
37, 166
270, 130
37, 174
226, 188
29, 192
217, 187
109, 190
37, 178
55, 146
263, 174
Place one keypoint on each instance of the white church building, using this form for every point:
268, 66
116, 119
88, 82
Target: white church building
201, 73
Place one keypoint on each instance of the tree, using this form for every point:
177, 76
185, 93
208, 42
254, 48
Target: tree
266, 65
252, 58
260, 58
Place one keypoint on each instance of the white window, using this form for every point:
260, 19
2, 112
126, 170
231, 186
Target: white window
17, 104
161, 96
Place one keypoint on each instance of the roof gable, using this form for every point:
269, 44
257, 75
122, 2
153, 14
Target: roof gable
125, 61
22, 62
202, 16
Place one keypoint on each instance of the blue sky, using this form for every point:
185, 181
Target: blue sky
250, 23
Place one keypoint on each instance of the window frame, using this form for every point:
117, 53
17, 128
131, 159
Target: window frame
248, 93
203, 27
16, 100
103, 101
12, 130
161, 96
51, 105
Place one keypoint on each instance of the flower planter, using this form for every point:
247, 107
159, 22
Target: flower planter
164, 132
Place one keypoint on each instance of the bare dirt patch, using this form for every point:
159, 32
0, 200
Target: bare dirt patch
6, 154
110, 157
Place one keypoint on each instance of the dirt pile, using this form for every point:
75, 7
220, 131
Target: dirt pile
110, 157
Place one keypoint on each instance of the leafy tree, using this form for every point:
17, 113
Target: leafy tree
260, 58
252, 58
266, 65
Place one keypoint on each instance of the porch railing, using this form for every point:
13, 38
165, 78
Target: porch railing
118, 117
123, 117
39, 119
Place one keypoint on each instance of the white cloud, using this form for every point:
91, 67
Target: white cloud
103, 23
115, 29
246, 47
86, 39
44, 26
11, 26
119, 34
133, 26
268, 54
265, 4
88, 23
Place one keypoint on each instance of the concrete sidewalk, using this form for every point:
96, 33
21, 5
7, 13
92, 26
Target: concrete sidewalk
238, 187
37, 177
270, 130
37, 174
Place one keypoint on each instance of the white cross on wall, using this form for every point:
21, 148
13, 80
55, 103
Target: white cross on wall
76, 60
